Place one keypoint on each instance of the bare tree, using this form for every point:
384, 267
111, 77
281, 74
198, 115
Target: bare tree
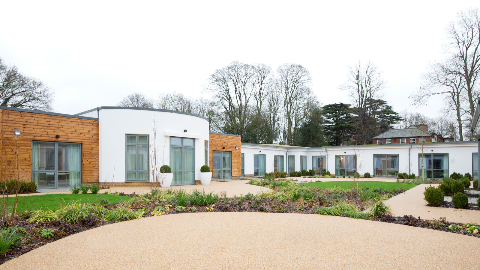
464, 37
176, 102
443, 79
293, 82
232, 87
20, 91
364, 84
136, 100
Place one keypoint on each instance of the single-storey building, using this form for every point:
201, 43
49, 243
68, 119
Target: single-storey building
127, 145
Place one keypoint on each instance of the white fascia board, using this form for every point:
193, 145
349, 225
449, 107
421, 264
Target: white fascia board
182, 134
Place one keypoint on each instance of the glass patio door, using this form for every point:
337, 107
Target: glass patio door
56, 165
222, 165
385, 165
182, 161
318, 164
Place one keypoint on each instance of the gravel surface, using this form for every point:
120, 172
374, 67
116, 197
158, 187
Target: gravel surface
254, 241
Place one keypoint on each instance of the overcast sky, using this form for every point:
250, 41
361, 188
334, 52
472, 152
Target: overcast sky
94, 53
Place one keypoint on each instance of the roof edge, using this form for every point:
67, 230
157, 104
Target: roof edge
140, 109
48, 113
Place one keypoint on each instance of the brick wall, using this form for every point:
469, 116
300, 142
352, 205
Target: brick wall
217, 142
397, 140
45, 127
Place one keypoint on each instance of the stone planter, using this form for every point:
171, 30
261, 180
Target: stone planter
205, 178
166, 179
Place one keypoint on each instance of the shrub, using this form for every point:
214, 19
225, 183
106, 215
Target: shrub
450, 187
85, 189
412, 176
366, 175
42, 216
460, 200
293, 174
280, 174
72, 212
434, 196
380, 209
456, 176
204, 168
468, 175
478, 203
466, 182
122, 214
9, 238
47, 233
75, 190
356, 175
94, 188
303, 172
165, 169
13, 186
475, 184
311, 172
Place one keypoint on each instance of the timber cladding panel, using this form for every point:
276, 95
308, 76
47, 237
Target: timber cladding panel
45, 127
217, 142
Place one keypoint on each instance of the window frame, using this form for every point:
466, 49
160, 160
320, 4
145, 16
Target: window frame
137, 179
433, 170
278, 160
256, 171
413, 140
395, 170
388, 141
344, 169
403, 140
290, 164
303, 163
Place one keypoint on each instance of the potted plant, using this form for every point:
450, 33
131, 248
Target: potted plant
205, 175
166, 175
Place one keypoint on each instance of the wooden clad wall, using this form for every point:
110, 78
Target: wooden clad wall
45, 127
218, 141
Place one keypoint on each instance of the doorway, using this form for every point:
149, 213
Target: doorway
222, 165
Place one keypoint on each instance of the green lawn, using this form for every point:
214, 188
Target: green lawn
55, 201
369, 184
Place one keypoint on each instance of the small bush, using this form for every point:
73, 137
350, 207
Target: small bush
466, 182
85, 189
311, 172
14, 186
380, 209
280, 174
9, 238
165, 169
47, 233
94, 188
478, 203
72, 212
304, 172
122, 214
456, 176
434, 196
460, 200
75, 190
204, 168
468, 175
412, 176
356, 175
366, 175
42, 216
475, 184
293, 174
450, 187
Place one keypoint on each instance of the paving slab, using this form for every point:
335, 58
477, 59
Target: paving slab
254, 241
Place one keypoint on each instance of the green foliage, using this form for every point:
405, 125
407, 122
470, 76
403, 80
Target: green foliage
85, 189
304, 172
280, 174
43, 216
450, 186
356, 175
380, 209
325, 173
434, 196
460, 200
402, 176
338, 123
345, 185
11, 186
478, 203
9, 238
72, 212
465, 181
94, 188
310, 132
456, 176
204, 168
180, 208
165, 169
311, 172
468, 175
123, 213
47, 233
181, 198
412, 176
342, 209
475, 184
75, 190
366, 175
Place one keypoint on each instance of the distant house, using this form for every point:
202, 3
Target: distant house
415, 134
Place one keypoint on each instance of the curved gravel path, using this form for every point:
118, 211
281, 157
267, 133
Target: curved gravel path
253, 241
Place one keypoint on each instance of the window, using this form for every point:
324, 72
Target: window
182, 160
303, 163
404, 140
242, 165
412, 140
56, 165
434, 165
278, 163
259, 162
319, 164
385, 165
136, 158
389, 141
475, 166
291, 163
206, 154
345, 165
421, 140
379, 141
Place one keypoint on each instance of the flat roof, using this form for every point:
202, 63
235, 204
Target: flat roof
48, 113
140, 109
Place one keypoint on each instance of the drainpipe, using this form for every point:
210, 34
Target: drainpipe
286, 162
409, 158
326, 159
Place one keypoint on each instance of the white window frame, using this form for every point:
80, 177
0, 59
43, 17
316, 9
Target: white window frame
413, 140
379, 141
388, 141
404, 140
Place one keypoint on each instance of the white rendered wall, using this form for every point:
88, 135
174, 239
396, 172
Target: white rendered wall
116, 123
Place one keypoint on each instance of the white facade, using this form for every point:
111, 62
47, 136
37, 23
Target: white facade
115, 123
459, 156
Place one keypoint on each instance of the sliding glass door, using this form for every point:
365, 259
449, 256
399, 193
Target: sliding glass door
319, 164
222, 165
182, 161
278, 163
259, 165
56, 165
345, 165
385, 165
435, 165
